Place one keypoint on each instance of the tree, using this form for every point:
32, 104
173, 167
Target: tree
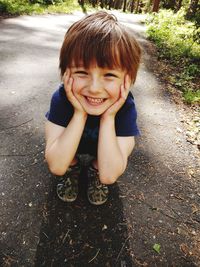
124, 6
156, 5
137, 6
110, 4
179, 4
132, 6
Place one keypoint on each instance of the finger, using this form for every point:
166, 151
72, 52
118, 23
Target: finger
66, 76
69, 85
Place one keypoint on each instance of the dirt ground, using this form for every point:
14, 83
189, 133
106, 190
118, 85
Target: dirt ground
153, 215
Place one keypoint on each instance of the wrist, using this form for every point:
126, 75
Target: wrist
80, 115
108, 119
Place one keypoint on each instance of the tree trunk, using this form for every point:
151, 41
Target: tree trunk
156, 5
110, 4
102, 3
192, 8
179, 4
124, 7
137, 6
132, 6
117, 4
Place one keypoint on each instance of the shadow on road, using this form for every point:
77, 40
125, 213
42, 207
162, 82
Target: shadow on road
75, 234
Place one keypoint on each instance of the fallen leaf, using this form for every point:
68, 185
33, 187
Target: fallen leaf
184, 248
156, 247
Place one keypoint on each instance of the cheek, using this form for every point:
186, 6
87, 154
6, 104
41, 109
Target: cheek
77, 85
114, 91
117, 92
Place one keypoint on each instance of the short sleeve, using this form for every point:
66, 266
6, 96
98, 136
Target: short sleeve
61, 110
126, 119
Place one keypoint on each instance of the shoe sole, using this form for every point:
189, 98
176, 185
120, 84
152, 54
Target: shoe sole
95, 203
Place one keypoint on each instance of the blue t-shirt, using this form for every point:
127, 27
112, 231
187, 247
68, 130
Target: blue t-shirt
61, 112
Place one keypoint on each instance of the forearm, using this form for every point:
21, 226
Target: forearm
110, 160
62, 151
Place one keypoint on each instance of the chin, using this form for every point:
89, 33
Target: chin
94, 112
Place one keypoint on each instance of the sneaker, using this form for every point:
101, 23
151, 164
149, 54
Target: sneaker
97, 192
67, 187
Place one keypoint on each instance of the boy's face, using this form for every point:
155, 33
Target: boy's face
97, 88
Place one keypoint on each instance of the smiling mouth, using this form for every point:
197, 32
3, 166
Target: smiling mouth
94, 101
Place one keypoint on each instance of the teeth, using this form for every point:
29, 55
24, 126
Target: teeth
95, 100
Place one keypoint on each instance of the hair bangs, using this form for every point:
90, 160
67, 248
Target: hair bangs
100, 51
99, 39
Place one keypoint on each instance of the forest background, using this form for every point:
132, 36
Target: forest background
173, 25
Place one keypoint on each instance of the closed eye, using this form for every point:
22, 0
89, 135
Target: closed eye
81, 72
111, 75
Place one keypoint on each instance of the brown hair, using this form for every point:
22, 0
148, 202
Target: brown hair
100, 38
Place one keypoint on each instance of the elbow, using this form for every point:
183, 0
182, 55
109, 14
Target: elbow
54, 168
111, 178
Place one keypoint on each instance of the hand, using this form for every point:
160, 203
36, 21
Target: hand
68, 85
124, 90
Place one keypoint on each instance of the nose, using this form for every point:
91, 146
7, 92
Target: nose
95, 86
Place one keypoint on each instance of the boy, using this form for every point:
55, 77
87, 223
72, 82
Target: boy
93, 112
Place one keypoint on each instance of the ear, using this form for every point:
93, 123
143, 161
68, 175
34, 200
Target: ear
127, 81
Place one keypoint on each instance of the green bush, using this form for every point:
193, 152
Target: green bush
46, 2
178, 40
174, 35
18, 7
191, 97
193, 70
13, 7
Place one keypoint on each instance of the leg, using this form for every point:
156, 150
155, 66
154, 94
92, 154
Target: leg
97, 192
67, 187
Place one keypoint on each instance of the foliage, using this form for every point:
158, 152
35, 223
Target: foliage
17, 7
177, 40
46, 2
174, 35
12, 7
191, 96
157, 247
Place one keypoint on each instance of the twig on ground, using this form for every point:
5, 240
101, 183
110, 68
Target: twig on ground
170, 216
65, 236
45, 235
15, 126
94, 256
122, 248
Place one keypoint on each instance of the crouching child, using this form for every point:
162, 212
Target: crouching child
93, 111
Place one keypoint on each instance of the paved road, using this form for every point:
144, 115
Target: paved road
156, 201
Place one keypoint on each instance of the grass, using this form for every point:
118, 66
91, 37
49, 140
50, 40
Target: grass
177, 42
191, 96
21, 7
